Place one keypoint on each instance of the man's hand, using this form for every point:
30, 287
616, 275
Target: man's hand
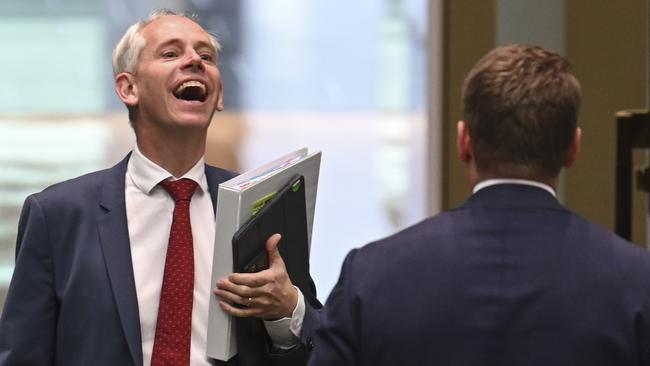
267, 294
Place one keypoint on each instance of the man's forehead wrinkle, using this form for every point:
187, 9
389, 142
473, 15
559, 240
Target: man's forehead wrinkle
175, 23
149, 32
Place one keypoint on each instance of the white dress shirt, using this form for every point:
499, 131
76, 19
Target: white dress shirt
491, 182
149, 211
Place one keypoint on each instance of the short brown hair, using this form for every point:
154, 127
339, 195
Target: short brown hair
521, 106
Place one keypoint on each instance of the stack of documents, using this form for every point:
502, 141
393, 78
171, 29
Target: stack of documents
238, 199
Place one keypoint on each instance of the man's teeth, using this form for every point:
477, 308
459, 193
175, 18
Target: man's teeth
191, 83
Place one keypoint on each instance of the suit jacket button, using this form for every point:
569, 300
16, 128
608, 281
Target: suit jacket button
310, 344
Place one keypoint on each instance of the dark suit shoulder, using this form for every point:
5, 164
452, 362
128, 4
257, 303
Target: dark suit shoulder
79, 197
574, 243
404, 250
624, 258
416, 235
92, 179
71, 190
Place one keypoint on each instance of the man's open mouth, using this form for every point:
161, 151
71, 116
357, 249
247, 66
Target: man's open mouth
191, 91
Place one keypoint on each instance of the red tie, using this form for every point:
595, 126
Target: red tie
174, 326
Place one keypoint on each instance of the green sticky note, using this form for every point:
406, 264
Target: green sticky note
260, 203
296, 186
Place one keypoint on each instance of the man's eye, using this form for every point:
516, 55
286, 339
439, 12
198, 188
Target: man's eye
207, 57
169, 54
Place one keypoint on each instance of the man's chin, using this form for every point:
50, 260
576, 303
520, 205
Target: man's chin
190, 119
198, 122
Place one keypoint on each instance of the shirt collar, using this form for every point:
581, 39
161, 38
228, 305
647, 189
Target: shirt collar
146, 174
491, 182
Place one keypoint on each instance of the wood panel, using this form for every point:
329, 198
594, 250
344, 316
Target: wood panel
606, 42
469, 33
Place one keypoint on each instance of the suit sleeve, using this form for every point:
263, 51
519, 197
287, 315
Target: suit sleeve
336, 340
28, 322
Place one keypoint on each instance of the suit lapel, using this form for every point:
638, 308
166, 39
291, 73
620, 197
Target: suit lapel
114, 238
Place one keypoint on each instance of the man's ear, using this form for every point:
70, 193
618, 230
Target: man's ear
220, 97
463, 142
574, 150
126, 89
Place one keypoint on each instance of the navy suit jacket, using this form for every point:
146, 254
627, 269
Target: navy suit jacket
72, 299
510, 278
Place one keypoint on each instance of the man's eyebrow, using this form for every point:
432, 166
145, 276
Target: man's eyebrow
204, 44
176, 41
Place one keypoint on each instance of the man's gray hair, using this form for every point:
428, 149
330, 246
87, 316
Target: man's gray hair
127, 52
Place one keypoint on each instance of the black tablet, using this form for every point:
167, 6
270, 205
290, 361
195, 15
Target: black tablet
283, 213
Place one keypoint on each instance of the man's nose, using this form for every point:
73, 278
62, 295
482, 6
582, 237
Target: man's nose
194, 61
